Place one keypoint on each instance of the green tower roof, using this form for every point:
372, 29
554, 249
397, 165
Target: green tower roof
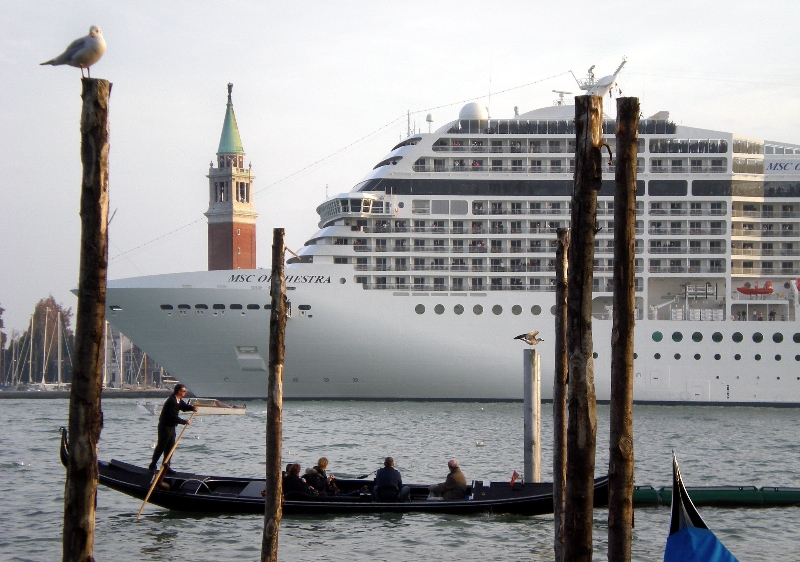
229, 141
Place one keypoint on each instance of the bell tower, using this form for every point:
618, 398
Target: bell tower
231, 214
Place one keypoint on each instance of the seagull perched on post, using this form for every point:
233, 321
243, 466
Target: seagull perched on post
531, 338
83, 52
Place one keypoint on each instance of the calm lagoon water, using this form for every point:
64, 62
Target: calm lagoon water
749, 446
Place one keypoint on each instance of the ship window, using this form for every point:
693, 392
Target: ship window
419, 309
658, 336
737, 337
201, 306
697, 357
697, 337
236, 307
269, 306
439, 309
797, 357
717, 337
166, 307
657, 356
778, 358
458, 309
516, 310
477, 309
218, 306
184, 307
796, 338
497, 310
757, 337
737, 357
536, 310
758, 357
677, 356
777, 338
303, 307
717, 357
677, 336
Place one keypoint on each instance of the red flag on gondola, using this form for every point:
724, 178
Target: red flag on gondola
514, 478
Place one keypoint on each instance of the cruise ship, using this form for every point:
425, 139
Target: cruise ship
420, 277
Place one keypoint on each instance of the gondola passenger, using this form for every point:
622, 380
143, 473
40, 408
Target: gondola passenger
320, 480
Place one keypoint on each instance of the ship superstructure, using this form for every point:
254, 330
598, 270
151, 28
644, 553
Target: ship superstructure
419, 278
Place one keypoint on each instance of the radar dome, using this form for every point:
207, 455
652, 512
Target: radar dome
473, 110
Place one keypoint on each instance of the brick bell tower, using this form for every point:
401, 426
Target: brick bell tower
231, 214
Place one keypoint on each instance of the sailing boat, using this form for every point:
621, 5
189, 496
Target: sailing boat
690, 539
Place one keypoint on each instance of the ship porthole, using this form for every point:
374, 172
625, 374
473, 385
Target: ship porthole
458, 309
342, 280
716, 336
677, 336
697, 357
516, 310
594, 355
658, 336
777, 337
536, 310
677, 356
420, 309
796, 338
737, 357
477, 309
657, 356
697, 337
497, 310
553, 310
717, 357
777, 358
758, 357
439, 309
757, 337
737, 337
327, 379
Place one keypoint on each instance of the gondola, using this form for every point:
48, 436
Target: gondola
689, 538
219, 494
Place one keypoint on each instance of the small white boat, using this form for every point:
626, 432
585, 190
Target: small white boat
205, 407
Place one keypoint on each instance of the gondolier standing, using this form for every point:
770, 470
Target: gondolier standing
167, 422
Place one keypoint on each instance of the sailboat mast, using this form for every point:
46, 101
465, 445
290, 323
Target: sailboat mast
44, 347
30, 353
60, 336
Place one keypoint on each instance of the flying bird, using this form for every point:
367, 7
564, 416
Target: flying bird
83, 52
531, 338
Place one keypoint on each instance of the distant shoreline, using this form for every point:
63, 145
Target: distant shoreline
107, 393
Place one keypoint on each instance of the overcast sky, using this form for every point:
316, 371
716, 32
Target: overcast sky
311, 81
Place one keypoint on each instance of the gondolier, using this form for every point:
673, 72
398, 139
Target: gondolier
167, 422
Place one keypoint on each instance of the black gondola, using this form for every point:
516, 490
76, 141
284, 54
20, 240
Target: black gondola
220, 494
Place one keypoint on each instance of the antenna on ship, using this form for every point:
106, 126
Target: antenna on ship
429, 119
409, 122
561, 94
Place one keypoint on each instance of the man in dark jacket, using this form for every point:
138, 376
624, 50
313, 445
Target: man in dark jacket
292, 482
167, 422
389, 484
455, 485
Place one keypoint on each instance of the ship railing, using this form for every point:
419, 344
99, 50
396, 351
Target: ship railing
761, 233
706, 250
667, 250
364, 248
477, 249
754, 252
766, 214
399, 248
759, 271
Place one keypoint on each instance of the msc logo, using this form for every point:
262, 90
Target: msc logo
240, 278
783, 166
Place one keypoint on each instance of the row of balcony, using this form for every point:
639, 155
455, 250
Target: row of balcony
763, 252
685, 269
766, 233
548, 268
474, 288
474, 249
477, 230
766, 214
765, 270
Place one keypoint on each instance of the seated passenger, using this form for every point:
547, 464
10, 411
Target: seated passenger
389, 484
320, 480
292, 482
454, 487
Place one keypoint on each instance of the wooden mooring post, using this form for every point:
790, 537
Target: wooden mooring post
560, 394
621, 458
533, 416
277, 331
85, 413
581, 402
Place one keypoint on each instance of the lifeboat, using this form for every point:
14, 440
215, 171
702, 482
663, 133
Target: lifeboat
756, 290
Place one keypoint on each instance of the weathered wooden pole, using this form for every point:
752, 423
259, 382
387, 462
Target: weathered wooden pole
533, 416
560, 394
277, 331
85, 414
620, 461
581, 405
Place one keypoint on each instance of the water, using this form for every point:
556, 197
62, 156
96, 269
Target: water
752, 446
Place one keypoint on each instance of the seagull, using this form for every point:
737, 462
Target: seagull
83, 52
531, 338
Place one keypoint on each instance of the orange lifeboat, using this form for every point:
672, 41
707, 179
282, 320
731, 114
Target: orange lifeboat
756, 290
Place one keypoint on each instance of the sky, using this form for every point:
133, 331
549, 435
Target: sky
321, 94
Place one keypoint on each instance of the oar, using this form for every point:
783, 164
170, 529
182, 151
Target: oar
163, 467
365, 475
